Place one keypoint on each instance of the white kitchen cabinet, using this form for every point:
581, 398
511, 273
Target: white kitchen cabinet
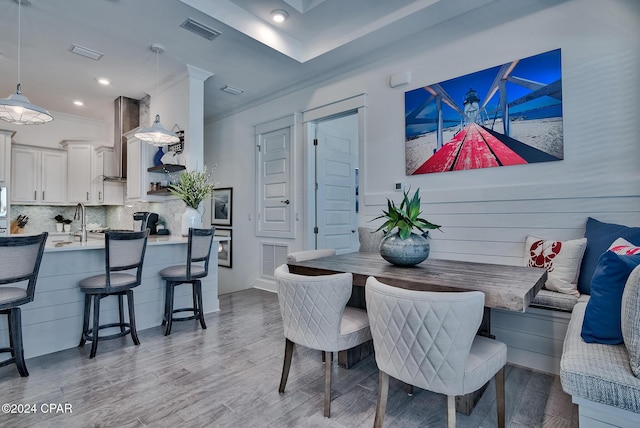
134, 168
5, 156
79, 173
38, 176
106, 192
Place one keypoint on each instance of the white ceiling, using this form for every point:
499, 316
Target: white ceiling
321, 39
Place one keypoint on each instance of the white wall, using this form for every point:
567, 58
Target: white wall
63, 127
485, 213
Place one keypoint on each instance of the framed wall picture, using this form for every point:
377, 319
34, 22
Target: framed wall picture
221, 206
224, 248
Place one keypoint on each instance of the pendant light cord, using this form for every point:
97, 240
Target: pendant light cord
19, 90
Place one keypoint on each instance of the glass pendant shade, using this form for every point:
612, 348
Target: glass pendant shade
156, 134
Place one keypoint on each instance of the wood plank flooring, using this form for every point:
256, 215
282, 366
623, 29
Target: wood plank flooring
228, 376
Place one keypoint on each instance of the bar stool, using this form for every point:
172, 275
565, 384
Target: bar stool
124, 251
20, 259
198, 250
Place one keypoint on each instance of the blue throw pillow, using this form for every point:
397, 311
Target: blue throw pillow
602, 319
599, 237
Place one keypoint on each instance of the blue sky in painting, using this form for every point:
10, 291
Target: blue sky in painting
544, 68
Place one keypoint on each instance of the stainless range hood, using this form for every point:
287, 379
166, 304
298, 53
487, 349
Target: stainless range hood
127, 117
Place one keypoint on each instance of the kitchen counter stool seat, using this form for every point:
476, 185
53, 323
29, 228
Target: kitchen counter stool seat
20, 259
124, 251
198, 251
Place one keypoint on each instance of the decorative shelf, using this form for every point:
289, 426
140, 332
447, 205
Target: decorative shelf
161, 192
166, 168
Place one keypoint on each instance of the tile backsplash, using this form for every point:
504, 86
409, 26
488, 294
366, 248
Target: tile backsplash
42, 217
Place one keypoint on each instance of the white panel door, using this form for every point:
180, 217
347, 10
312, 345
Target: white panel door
336, 161
274, 185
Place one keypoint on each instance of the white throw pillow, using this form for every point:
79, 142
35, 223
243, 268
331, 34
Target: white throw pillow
561, 259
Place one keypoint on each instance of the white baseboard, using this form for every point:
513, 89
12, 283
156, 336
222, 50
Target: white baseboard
266, 285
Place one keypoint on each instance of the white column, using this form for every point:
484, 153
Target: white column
194, 135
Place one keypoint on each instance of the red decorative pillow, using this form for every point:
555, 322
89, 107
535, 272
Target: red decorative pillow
561, 259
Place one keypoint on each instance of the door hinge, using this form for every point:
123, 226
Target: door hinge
315, 230
315, 141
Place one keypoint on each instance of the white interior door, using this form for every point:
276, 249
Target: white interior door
275, 184
336, 165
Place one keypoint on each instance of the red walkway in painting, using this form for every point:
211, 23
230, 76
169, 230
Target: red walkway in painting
473, 147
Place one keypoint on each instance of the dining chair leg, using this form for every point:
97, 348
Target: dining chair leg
169, 304
328, 365
288, 353
85, 321
410, 390
383, 393
500, 404
15, 334
132, 318
451, 411
200, 310
121, 312
96, 325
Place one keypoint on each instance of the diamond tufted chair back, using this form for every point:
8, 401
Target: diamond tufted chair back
428, 339
314, 315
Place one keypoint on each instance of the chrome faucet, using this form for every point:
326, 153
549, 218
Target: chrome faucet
82, 215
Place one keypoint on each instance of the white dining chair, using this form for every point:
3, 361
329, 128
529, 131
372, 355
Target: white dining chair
428, 339
315, 315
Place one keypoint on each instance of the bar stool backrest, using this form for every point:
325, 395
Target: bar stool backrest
20, 258
199, 248
125, 251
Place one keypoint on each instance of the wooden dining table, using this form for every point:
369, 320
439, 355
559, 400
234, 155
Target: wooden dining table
505, 287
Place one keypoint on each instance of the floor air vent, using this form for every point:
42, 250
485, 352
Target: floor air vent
200, 29
273, 255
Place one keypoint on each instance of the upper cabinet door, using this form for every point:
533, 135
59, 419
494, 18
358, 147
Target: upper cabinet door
25, 175
54, 177
79, 175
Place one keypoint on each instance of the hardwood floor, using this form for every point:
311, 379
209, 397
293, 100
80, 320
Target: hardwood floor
228, 376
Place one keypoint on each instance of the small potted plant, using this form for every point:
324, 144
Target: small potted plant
404, 247
193, 187
59, 222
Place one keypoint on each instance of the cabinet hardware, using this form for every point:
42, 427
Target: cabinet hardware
87, 196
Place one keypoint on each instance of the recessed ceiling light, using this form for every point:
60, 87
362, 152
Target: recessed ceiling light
279, 15
103, 81
78, 103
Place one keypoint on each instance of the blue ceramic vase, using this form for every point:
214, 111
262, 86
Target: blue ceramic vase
404, 252
157, 159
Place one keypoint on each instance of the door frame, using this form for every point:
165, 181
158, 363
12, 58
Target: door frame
355, 104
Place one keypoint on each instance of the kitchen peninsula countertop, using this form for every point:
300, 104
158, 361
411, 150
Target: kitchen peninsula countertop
63, 243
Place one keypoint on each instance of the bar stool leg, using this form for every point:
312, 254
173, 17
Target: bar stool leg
200, 311
96, 325
85, 322
121, 312
169, 303
132, 318
165, 317
15, 334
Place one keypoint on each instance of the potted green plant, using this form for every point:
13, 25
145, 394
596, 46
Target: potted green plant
192, 188
403, 247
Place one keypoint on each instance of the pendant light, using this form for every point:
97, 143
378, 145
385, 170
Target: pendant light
156, 134
16, 108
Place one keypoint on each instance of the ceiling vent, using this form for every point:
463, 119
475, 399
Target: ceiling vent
200, 29
86, 52
232, 90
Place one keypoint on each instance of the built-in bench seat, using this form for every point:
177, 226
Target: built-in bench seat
553, 300
599, 378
